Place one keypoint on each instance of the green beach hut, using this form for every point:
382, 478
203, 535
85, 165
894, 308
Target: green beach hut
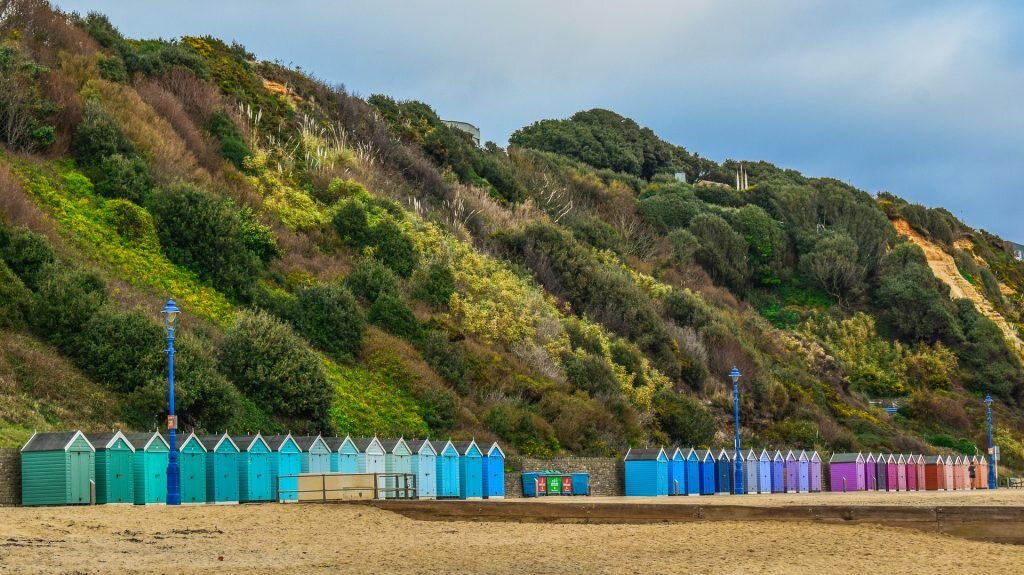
254, 475
115, 481
57, 468
192, 469
221, 469
284, 467
149, 468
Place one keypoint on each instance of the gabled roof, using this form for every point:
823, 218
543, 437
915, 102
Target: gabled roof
276, 442
463, 447
364, 443
815, 456
107, 439
441, 446
778, 456
803, 456
890, 458
495, 447
723, 454
421, 446
184, 439
870, 457
334, 443
245, 442
644, 454
306, 442
751, 455
212, 442
704, 455
934, 460
765, 455
674, 450
901, 459
54, 441
791, 456
846, 458
142, 440
920, 458
390, 445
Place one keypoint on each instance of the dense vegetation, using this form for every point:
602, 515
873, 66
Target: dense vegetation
361, 267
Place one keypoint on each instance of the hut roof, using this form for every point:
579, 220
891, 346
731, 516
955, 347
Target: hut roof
54, 441
778, 456
463, 447
334, 442
183, 440
803, 455
276, 442
645, 454
305, 442
141, 440
107, 439
390, 445
723, 454
934, 460
901, 459
418, 445
495, 447
846, 458
245, 442
751, 455
815, 456
791, 456
440, 446
212, 442
703, 454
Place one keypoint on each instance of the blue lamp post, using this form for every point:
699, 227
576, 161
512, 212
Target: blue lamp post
170, 313
991, 446
738, 458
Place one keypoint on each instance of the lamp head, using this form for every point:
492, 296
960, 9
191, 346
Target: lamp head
988, 400
170, 314
735, 375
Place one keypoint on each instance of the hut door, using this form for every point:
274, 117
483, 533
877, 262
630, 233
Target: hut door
120, 475
79, 477
260, 476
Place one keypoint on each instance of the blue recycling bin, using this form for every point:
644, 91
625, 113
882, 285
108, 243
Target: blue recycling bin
581, 484
530, 484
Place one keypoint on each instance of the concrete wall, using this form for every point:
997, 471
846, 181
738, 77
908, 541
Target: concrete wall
10, 476
606, 474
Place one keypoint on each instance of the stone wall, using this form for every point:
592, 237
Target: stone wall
10, 476
606, 474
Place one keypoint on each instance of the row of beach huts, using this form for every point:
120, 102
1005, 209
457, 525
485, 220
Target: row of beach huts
72, 468
898, 472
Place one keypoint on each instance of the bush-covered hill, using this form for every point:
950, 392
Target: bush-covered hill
357, 266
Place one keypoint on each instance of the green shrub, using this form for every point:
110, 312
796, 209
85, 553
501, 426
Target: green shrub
121, 351
914, 302
436, 287
592, 373
447, 360
439, 408
527, 431
15, 299
205, 234
328, 315
133, 222
767, 244
232, 143
268, 362
259, 238
596, 232
584, 339
392, 247
352, 224
630, 358
25, 253
121, 176
669, 211
371, 279
988, 363
684, 245
722, 252
391, 313
686, 309
98, 136
684, 420
833, 264
65, 300
112, 69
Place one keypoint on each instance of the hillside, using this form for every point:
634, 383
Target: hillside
352, 265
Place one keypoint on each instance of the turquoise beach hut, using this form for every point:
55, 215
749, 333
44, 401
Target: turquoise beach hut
692, 472
221, 469
285, 464
424, 467
676, 471
397, 461
707, 471
494, 472
447, 469
254, 474
646, 472
56, 469
192, 469
316, 455
149, 468
471, 472
344, 454
115, 481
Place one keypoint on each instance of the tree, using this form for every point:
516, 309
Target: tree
15, 299
436, 286
722, 252
26, 253
393, 248
914, 302
328, 315
685, 421
390, 313
833, 264
65, 300
370, 279
767, 244
122, 351
120, 176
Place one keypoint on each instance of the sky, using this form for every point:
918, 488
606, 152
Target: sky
921, 99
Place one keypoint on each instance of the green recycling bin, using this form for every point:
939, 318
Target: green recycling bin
554, 484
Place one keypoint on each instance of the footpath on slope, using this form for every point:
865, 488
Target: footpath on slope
944, 268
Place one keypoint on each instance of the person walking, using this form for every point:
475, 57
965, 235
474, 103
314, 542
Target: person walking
970, 473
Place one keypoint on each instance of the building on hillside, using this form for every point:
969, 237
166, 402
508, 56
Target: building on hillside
466, 127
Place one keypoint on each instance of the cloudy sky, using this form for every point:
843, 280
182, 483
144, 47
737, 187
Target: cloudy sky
923, 99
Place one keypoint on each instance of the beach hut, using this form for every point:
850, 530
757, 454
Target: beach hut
344, 454
424, 466
764, 472
192, 470
115, 480
846, 472
870, 477
934, 473
892, 478
372, 460
221, 469
334, 444
982, 472
676, 471
316, 454
947, 473
692, 472
750, 472
149, 468
725, 477
803, 472
911, 472
254, 475
471, 481
969, 460
955, 463
901, 473
398, 466
880, 474
919, 469
814, 479
792, 463
708, 472
778, 472
285, 465
56, 469
494, 472
446, 469
647, 472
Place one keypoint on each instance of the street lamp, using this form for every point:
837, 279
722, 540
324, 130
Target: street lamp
170, 313
991, 446
738, 458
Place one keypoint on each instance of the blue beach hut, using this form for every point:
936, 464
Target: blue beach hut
285, 464
778, 473
397, 461
447, 469
676, 471
725, 478
750, 472
254, 474
804, 466
115, 481
371, 459
424, 467
646, 472
471, 481
192, 469
494, 472
708, 472
692, 472
764, 472
221, 469
344, 454
56, 469
149, 467
316, 455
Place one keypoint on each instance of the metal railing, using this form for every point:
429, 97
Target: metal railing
348, 486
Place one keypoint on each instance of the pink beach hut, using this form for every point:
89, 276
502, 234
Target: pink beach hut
967, 461
901, 473
846, 472
947, 471
919, 466
911, 472
958, 474
870, 477
892, 475
792, 473
815, 472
